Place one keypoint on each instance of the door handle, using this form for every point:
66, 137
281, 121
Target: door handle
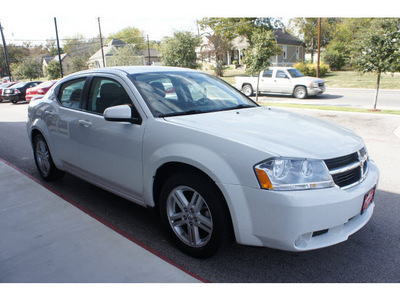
85, 123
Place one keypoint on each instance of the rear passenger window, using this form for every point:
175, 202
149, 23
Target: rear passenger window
268, 73
70, 93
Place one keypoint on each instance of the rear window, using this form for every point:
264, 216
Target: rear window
70, 93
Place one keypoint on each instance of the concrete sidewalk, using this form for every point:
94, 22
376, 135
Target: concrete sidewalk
43, 238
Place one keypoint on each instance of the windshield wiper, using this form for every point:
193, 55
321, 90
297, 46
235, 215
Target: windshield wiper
181, 113
240, 106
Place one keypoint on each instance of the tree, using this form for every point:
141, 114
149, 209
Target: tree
233, 27
258, 57
132, 36
53, 70
338, 51
125, 56
79, 50
179, 50
218, 46
30, 69
307, 28
377, 49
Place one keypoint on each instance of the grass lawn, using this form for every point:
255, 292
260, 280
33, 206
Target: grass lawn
351, 79
327, 107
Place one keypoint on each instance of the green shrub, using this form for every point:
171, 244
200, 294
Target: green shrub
311, 69
334, 59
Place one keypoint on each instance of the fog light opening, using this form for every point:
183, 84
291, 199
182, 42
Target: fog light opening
301, 241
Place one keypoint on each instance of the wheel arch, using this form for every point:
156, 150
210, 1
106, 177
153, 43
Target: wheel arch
169, 168
173, 167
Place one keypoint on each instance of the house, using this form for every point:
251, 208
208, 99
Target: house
293, 49
64, 62
150, 56
96, 60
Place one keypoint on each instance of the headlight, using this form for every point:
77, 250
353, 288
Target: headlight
314, 84
287, 174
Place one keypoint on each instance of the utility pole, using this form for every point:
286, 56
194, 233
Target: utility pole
101, 44
148, 49
58, 47
6, 54
319, 45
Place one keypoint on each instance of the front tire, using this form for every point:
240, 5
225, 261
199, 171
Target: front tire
44, 162
194, 213
300, 92
247, 89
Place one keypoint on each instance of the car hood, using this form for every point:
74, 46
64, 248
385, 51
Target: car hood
308, 79
277, 132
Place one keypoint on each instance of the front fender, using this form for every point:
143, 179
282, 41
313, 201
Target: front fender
197, 156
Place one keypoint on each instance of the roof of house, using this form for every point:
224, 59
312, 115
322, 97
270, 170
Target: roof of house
153, 53
285, 38
116, 43
282, 38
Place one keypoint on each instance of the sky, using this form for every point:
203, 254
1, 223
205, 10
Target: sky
34, 20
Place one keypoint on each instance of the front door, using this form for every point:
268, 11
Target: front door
111, 152
282, 82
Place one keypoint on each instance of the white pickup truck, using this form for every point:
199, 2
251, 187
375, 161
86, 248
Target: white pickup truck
281, 80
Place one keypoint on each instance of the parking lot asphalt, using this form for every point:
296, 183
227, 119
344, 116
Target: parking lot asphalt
45, 239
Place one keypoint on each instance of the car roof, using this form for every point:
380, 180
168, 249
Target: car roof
285, 68
133, 70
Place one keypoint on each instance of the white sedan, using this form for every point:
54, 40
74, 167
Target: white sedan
213, 163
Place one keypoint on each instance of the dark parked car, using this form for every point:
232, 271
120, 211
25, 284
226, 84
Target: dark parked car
17, 92
3, 86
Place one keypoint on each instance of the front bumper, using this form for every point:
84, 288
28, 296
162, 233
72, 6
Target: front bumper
311, 91
299, 220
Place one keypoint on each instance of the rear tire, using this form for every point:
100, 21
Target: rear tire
44, 162
195, 214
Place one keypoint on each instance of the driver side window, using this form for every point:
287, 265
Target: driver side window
281, 74
104, 93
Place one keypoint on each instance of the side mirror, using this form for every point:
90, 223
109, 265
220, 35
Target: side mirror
121, 113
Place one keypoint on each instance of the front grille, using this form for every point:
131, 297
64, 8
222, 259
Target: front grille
339, 162
347, 178
321, 84
348, 170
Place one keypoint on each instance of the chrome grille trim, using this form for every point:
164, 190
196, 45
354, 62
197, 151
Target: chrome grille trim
346, 176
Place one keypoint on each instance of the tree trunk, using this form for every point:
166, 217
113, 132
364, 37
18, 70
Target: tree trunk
378, 81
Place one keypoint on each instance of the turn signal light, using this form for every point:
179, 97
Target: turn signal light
264, 179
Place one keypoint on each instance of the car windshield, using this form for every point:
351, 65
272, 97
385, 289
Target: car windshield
184, 92
295, 73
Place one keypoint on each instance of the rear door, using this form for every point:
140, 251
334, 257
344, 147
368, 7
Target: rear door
267, 82
62, 121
